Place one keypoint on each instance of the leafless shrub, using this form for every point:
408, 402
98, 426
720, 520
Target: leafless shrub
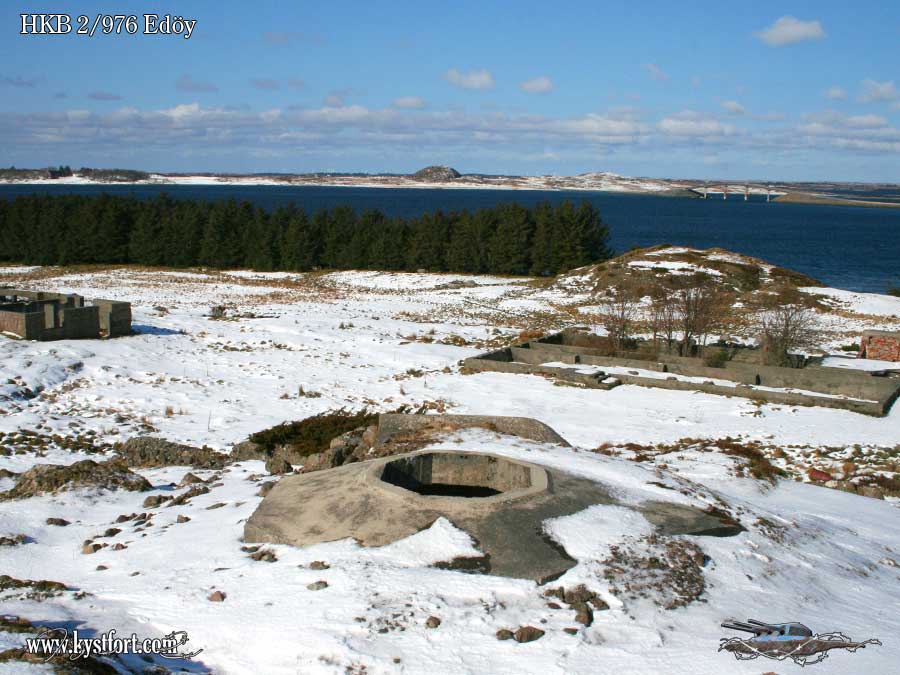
785, 325
703, 307
619, 308
665, 317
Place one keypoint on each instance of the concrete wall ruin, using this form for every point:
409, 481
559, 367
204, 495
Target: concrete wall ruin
36, 315
856, 391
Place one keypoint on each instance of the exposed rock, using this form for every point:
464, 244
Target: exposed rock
505, 634
317, 585
90, 547
571, 631
578, 594
190, 479
187, 495
45, 478
819, 476
182, 519
59, 522
217, 596
111, 532
277, 465
217, 505
583, 613
432, 622
436, 174
35, 589
842, 485
319, 565
266, 487
871, 491
247, 450
152, 452
6, 473
528, 634
265, 555
14, 540
153, 501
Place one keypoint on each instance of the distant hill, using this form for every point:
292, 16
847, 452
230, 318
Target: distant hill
436, 174
669, 264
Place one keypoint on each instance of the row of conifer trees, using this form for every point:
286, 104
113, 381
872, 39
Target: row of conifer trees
505, 239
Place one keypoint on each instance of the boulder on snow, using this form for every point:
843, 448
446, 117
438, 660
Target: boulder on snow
150, 452
113, 474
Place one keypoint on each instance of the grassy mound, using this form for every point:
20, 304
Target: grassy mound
313, 434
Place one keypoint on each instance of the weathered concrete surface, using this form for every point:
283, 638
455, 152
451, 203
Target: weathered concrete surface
353, 501
393, 425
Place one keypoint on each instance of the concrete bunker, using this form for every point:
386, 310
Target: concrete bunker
501, 502
36, 315
464, 475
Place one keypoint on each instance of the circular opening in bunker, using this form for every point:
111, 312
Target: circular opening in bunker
451, 474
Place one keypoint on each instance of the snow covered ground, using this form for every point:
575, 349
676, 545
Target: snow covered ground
291, 346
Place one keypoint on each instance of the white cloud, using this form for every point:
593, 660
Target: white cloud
656, 72
733, 108
690, 123
788, 30
878, 91
409, 103
537, 85
474, 79
836, 93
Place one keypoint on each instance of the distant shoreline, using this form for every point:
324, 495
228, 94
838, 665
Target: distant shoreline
825, 200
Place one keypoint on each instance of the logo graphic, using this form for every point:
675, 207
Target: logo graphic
781, 641
57, 642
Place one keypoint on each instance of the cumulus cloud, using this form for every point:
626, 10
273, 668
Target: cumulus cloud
188, 83
475, 79
537, 85
409, 102
104, 96
789, 30
831, 119
733, 108
690, 123
836, 93
264, 83
352, 130
874, 91
656, 72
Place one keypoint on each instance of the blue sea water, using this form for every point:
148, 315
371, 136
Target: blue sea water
842, 246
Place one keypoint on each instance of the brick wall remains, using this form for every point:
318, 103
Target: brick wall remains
881, 346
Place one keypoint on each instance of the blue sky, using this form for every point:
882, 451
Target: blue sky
768, 90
